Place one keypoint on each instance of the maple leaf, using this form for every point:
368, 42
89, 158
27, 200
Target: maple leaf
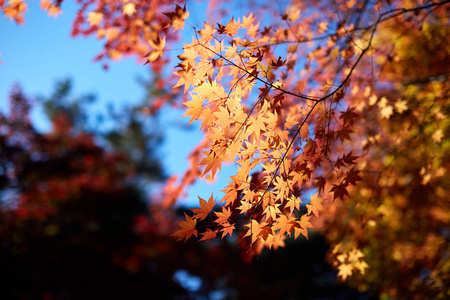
205, 208
254, 229
272, 211
339, 163
401, 106
339, 191
292, 13
177, 17
349, 158
361, 265
94, 18
298, 177
207, 33
129, 9
223, 117
352, 176
53, 10
345, 270
45, 4
301, 227
386, 112
280, 62
315, 205
210, 90
344, 134
320, 183
310, 146
265, 233
222, 217
291, 121
248, 21
195, 108
230, 29
15, 10
212, 164
323, 26
275, 241
284, 224
293, 203
245, 206
269, 167
158, 44
227, 229
208, 235
355, 255
154, 55
437, 136
187, 228
256, 126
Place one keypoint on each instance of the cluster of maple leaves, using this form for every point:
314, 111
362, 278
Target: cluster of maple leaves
279, 138
287, 96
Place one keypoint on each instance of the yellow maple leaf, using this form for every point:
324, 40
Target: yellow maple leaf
293, 202
248, 21
437, 136
401, 106
315, 205
177, 17
254, 229
293, 13
195, 108
129, 9
382, 103
345, 270
386, 112
207, 33
94, 18
323, 26
272, 211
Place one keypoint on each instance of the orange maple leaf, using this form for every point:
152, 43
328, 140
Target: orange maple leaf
254, 229
227, 229
205, 208
187, 228
301, 227
212, 164
208, 235
222, 217
284, 224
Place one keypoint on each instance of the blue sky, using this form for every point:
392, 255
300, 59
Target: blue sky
41, 51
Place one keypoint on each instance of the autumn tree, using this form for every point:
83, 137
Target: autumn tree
335, 113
